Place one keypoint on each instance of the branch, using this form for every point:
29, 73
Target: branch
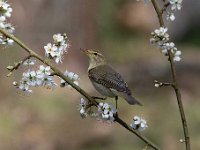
161, 84
80, 90
124, 124
16, 65
159, 13
174, 78
165, 7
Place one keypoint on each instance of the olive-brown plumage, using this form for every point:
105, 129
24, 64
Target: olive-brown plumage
106, 80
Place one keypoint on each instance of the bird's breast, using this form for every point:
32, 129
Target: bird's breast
103, 90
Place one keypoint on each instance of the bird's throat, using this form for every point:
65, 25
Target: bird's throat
95, 63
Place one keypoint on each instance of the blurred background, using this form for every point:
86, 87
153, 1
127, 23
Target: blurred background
120, 29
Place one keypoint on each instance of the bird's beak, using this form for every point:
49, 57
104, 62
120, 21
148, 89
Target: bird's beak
85, 51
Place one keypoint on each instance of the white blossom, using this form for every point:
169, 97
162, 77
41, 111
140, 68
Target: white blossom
177, 56
72, 76
31, 78
24, 87
2, 18
58, 48
160, 36
176, 4
15, 83
10, 41
24, 83
5, 12
58, 38
51, 50
44, 78
106, 112
170, 16
5, 8
43, 71
139, 124
167, 47
157, 85
47, 81
82, 108
29, 62
9, 28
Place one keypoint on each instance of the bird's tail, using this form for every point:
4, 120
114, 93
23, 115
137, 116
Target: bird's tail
132, 101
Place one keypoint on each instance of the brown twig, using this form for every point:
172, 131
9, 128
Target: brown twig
124, 124
174, 78
165, 7
80, 90
161, 84
17, 64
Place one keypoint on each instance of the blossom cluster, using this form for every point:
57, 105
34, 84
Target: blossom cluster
72, 76
161, 38
29, 62
43, 76
106, 112
82, 108
5, 13
175, 5
139, 124
58, 48
32, 78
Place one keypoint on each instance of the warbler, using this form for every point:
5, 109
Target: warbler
106, 80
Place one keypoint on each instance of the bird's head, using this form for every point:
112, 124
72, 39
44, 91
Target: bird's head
95, 59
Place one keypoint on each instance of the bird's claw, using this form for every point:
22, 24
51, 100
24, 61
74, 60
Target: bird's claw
101, 98
115, 115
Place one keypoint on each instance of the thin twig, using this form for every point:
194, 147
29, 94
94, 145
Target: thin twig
161, 84
165, 7
174, 78
17, 64
80, 90
124, 124
159, 13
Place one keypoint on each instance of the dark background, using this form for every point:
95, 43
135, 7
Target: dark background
120, 29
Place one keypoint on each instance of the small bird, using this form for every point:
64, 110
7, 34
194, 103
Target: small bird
106, 80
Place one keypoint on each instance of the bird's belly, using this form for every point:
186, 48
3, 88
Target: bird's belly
103, 90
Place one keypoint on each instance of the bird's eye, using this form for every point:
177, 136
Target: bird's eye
95, 53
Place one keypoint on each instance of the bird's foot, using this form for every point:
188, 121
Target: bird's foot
116, 98
101, 98
115, 115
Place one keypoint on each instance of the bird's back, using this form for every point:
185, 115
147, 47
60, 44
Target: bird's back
108, 77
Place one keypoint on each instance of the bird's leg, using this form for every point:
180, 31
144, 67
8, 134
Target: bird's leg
101, 98
116, 114
116, 98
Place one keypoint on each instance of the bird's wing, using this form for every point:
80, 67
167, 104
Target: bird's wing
108, 77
